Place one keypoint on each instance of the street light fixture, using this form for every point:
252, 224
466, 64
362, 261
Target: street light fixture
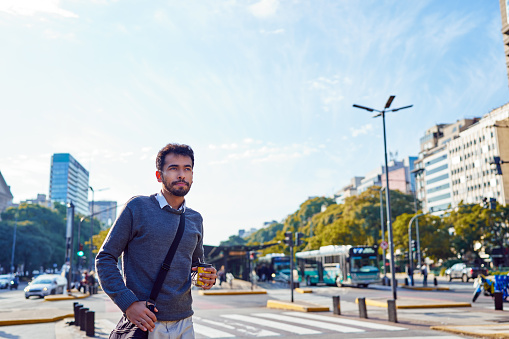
387, 198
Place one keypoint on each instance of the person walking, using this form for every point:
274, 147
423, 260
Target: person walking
424, 271
142, 235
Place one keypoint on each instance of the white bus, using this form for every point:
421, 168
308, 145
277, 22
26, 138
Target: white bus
339, 265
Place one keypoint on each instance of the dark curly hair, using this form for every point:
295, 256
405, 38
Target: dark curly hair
178, 149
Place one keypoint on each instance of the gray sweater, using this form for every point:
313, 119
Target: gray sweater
142, 234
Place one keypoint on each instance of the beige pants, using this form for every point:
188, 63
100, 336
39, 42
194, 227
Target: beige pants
180, 329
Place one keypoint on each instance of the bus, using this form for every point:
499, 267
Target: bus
339, 265
278, 264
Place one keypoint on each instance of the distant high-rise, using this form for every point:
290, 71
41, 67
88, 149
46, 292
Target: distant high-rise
69, 182
104, 211
504, 12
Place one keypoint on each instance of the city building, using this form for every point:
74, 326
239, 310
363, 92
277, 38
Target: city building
5, 194
400, 178
473, 176
40, 200
104, 211
432, 168
504, 12
348, 191
69, 182
455, 164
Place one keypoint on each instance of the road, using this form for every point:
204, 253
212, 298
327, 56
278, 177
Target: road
245, 316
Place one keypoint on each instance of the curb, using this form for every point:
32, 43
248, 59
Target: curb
425, 288
236, 292
56, 297
303, 290
370, 302
299, 306
34, 321
481, 330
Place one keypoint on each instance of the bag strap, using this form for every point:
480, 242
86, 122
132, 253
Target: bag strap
165, 266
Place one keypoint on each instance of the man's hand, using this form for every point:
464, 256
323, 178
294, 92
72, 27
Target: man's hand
208, 279
141, 316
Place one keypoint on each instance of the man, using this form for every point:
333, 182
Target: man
142, 234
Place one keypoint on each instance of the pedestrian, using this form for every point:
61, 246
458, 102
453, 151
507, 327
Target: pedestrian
142, 235
424, 271
221, 274
91, 282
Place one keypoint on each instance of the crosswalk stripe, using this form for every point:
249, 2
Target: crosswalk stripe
211, 332
346, 321
250, 330
428, 337
320, 324
273, 324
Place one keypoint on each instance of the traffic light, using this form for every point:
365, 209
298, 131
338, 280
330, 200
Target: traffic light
497, 162
298, 238
493, 204
252, 255
414, 245
289, 238
80, 250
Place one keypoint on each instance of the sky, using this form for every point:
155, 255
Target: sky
261, 90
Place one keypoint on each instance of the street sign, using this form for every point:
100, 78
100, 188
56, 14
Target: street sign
384, 245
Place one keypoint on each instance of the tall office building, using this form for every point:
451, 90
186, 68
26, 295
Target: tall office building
504, 12
105, 212
69, 182
455, 167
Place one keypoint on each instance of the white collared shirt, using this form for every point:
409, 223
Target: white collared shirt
162, 202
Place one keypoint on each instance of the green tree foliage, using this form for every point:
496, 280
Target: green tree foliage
434, 237
40, 236
265, 234
234, 240
357, 221
467, 222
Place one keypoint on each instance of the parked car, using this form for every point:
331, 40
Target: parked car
5, 281
46, 284
465, 272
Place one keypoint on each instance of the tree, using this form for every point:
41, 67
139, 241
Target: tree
467, 221
434, 237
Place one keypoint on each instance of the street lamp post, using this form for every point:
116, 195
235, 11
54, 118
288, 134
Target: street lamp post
387, 198
14, 240
383, 231
90, 261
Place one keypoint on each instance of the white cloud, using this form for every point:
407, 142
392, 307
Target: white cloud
362, 130
276, 31
269, 152
54, 35
264, 8
33, 7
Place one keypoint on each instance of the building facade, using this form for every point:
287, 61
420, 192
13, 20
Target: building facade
69, 182
458, 168
504, 13
104, 211
432, 171
473, 176
5, 194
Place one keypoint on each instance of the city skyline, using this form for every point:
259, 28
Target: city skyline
262, 91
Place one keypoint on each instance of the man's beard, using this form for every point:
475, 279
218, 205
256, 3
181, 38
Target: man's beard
178, 191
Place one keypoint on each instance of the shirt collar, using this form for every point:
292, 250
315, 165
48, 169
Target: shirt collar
162, 202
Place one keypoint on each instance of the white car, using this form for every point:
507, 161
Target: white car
46, 284
5, 281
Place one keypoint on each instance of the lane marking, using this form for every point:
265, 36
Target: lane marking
347, 321
319, 324
211, 332
250, 330
273, 324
